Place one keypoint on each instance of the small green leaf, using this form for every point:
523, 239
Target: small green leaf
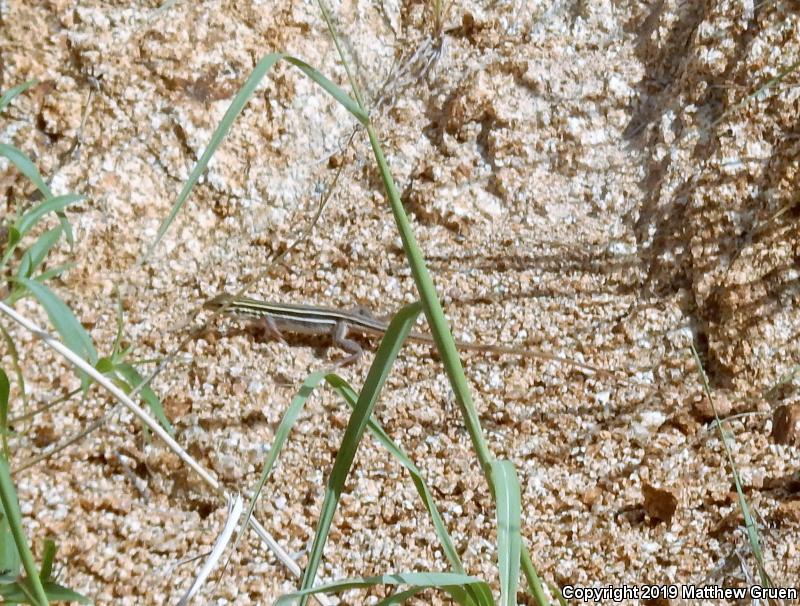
9, 95
30, 218
26, 167
66, 324
133, 379
35, 255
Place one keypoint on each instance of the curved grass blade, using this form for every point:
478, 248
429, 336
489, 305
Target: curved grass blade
52, 204
446, 581
14, 354
351, 397
750, 524
507, 496
333, 90
8, 496
65, 323
235, 108
26, 167
12, 92
35, 255
14, 594
48, 556
400, 597
131, 377
4, 390
390, 345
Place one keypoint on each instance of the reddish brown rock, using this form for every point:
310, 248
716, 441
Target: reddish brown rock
786, 424
659, 504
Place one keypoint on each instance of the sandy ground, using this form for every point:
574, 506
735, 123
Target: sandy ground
587, 178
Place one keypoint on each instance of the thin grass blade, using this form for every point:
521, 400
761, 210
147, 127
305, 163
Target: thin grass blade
507, 495
63, 320
281, 434
390, 345
236, 106
332, 89
26, 167
750, 524
35, 255
8, 497
351, 396
14, 594
132, 378
31, 218
5, 388
234, 513
421, 580
14, 91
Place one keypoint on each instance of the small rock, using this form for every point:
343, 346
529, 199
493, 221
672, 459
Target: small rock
659, 504
703, 411
786, 424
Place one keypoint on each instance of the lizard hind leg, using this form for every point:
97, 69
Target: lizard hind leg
269, 330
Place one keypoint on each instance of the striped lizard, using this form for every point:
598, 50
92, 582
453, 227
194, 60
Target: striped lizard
277, 318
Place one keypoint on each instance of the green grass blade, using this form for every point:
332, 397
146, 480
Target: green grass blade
132, 379
507, 495
35, 255
9, 95
14, 354
5, 387
281, 434
750, 524
390, 345
8, 496
400, 597
26, 167
59, 203
13, 594
235, 108
334, 91
422, 580
66, 324
445, 343
48, 556
9, 556
449, 549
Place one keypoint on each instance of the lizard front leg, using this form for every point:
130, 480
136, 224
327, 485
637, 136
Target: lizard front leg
339, 337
